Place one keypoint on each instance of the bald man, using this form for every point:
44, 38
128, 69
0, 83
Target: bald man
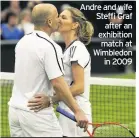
38, 68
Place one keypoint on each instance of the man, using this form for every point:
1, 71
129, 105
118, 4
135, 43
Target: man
38, 67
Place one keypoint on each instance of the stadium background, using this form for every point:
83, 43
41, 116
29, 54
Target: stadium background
98, 67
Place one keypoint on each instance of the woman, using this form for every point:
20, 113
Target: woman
76, 32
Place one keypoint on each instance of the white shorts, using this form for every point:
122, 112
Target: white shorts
69, 127
29, 124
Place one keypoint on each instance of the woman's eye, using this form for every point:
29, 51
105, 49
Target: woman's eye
63, 17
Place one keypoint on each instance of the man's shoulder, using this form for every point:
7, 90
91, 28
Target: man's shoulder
52, 42
56, 46
47, 40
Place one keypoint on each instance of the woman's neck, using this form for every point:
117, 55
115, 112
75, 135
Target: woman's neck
69, 37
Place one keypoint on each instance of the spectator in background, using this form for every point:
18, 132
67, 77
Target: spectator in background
9, 30
31, 4
25, 22
14, 7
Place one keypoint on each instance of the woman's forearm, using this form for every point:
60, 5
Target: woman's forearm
77, 89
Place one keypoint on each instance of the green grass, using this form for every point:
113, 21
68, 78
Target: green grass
123, 76
5, 93
113, 104
109, 104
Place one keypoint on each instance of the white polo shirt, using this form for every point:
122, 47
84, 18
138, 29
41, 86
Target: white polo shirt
38, 59
78, 52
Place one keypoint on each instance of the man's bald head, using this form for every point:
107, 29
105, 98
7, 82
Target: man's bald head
41, 13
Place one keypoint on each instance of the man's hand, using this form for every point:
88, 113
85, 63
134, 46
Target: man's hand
82, 120
39, 102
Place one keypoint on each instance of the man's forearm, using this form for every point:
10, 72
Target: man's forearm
74, 89
64, 94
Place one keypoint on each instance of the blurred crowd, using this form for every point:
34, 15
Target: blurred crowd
15, 21
16, 18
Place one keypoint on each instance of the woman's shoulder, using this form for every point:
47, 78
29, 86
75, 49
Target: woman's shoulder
80, 45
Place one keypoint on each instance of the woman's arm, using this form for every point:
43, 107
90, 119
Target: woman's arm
77, 87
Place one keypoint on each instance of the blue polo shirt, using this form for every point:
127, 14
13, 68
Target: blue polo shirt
11, 33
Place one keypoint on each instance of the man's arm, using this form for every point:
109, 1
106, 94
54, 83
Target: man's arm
62, 89
77, 87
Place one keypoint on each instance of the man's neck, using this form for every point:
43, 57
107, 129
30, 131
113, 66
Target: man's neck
43, 29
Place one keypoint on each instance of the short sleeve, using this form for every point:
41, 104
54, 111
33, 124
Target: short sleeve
80, 55
53, 62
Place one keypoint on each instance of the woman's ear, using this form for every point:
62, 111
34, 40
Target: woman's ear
75, 25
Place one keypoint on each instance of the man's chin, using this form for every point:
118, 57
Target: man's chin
56, 30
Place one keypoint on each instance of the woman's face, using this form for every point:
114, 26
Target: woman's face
66, 22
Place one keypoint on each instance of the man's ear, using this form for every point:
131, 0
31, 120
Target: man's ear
75, 25
49, 22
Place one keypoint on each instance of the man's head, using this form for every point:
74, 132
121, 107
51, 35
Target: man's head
45, 15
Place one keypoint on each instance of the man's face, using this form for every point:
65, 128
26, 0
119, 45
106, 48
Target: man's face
55, 21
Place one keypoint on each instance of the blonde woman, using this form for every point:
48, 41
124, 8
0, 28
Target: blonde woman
76, 32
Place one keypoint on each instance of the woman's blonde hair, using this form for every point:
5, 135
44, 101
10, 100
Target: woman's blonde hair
85, 29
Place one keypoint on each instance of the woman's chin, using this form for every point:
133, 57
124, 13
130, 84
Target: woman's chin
62, 31
59, 30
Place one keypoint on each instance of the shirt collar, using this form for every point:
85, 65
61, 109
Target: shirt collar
43, 34
70, 44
